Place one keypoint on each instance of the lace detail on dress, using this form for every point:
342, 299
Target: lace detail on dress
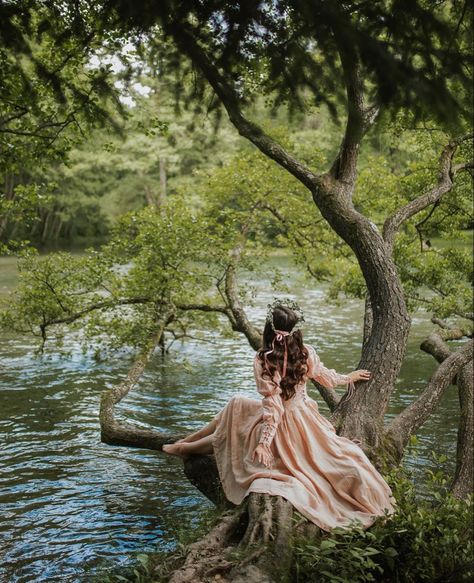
272, 403
267, 434
273, 408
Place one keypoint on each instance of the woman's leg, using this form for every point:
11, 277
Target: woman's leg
207, 430
182, 449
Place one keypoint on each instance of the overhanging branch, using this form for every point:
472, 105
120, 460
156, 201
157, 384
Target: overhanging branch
183, 36
412, 417
447, 172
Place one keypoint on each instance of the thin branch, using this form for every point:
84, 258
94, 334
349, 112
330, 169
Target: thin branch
97, 306
177, 336
238, 317
13, 116
446, 174
419, 225
203, 308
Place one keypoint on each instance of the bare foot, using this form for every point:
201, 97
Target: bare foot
173, 449
185, 440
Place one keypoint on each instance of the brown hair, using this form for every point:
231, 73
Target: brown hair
284, 319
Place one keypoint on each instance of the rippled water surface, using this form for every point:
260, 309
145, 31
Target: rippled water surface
70, 504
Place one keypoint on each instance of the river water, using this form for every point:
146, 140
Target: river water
71, 506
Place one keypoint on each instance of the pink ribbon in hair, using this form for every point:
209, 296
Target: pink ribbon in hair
279, 337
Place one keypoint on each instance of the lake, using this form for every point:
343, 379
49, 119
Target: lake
72, 505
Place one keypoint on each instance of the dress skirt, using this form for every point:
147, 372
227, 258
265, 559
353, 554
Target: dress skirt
326, 477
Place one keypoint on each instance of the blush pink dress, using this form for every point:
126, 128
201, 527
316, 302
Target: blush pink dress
326, 477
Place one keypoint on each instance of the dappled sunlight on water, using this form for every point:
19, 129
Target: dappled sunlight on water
71, 504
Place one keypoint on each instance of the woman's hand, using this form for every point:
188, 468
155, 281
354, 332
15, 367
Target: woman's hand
360, 375
264, 455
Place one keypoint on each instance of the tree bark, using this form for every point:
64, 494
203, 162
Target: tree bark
368, 320
413, 417
463, 481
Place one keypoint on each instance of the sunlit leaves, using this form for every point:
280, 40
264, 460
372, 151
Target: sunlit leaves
114, 296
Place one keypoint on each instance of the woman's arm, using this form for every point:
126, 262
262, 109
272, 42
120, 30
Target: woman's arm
273, 408
329, 377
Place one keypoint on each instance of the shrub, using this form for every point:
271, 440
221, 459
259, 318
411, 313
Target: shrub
425, 540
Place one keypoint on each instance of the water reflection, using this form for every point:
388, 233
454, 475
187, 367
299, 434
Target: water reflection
69, 503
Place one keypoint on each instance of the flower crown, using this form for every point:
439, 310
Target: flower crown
286, 303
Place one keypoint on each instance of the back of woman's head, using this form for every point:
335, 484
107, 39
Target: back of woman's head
272, 352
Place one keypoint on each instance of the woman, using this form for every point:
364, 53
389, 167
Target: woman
286, 447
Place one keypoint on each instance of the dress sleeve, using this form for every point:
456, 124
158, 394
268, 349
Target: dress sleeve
327, 377
272, 403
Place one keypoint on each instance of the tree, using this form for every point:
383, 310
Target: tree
375, 59
120, 295
51, 96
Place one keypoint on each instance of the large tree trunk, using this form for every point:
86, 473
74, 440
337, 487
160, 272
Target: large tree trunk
383, 349
463, 482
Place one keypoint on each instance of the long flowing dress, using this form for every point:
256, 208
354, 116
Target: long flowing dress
326, 477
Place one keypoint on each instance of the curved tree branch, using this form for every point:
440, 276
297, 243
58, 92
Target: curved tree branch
236, 313
447, 172
412, 417
435, 345
187, 43
114, 432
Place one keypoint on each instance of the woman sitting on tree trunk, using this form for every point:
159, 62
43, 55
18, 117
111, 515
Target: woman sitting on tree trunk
287, 447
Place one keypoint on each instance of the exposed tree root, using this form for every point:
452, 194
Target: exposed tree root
252, 542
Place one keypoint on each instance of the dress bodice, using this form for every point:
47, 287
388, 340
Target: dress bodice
299, 398
274, 406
